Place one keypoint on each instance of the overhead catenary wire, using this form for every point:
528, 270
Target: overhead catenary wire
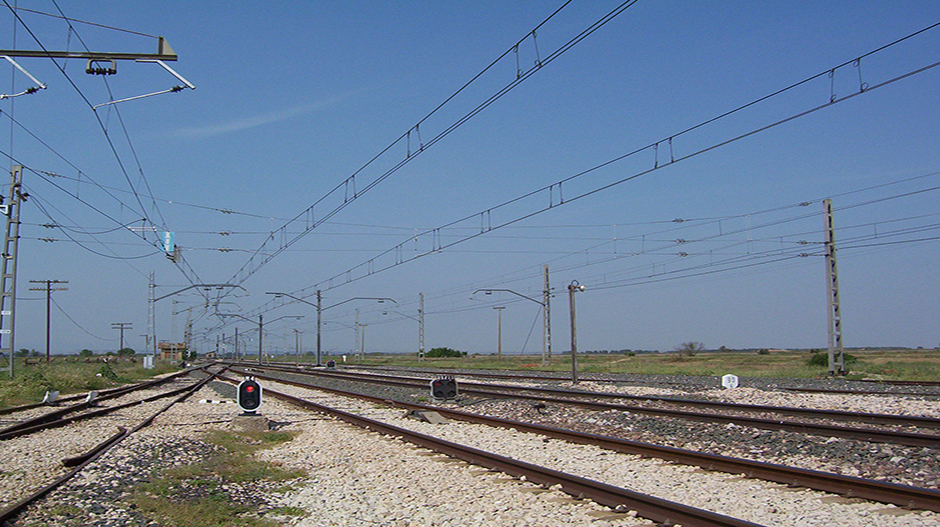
180, 263
263, 255
85, 22
373, 266
665, 271
79, 326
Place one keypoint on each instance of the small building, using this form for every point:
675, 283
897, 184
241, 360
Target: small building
171, 350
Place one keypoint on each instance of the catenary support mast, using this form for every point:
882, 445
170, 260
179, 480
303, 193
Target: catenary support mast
836, 352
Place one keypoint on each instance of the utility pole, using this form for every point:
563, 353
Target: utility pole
573, 288
152, 313
499, 332
362, 344
188, 332
297, 334
9, 258
836, 352
358, 329
121, 326
420, 326
320, 322
48, 289
547, 321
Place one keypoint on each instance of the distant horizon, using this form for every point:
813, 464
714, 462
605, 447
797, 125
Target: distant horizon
556, 353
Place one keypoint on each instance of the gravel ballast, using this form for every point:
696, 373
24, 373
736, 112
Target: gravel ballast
356, 477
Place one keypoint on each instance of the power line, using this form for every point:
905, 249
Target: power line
181, 264
63, 17
553, 194
347, 189
79, 326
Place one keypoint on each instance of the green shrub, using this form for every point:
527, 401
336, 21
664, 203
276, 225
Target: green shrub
445, 352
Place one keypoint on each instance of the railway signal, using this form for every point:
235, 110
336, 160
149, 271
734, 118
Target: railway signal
249, 396
444, 388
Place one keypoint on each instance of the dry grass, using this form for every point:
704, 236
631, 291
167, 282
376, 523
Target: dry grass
31, 382
176, 496
913, 365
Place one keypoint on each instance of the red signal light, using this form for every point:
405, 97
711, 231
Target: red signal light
249, 388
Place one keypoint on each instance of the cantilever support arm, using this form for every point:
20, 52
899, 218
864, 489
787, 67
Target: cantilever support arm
32, 89
174, 89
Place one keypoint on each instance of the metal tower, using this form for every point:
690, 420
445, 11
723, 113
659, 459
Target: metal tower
8, 267
836, 352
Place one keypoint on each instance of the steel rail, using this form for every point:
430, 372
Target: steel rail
842, 415
6, 516
74, 461
714, 384
46, 425
656, 509
849, 486
863, 434
111, 394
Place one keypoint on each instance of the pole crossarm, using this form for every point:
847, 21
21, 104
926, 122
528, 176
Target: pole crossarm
488, 291
194, 286
279, 294
235, 315
379, 299
404, 315
285, 316
288, 295
164, 52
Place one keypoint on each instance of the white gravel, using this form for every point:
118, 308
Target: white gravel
752, 500
32, 461
356, 477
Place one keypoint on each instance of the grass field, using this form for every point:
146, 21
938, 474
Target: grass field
32, 381
908, 365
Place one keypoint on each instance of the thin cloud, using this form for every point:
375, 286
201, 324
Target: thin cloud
246, 123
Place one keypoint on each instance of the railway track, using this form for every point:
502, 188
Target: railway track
59, 417
659, 510
102, 395
875, 387
83, 459
587, 400
900, 495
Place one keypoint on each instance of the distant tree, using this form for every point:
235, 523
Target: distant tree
34, 353
444, 352
690, 349
86, 353
763, 351
126, 352
723, 349
22, 353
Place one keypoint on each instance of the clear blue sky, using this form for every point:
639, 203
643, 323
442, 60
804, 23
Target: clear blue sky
292, 98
